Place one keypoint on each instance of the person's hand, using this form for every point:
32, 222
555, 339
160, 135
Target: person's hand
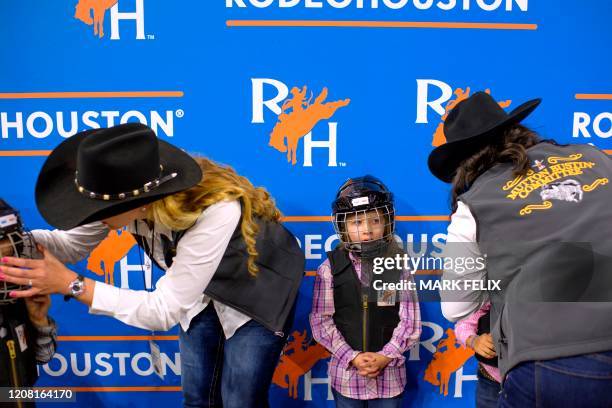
377, 364
483, 345
370, 364
45, 276
38, 307
364, 364
361, 362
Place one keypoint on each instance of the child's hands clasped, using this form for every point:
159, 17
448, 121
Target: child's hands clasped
370, 364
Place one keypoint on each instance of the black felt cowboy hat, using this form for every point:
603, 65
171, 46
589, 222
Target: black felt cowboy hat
469, 126
99, 173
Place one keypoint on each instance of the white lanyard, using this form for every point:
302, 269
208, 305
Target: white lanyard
155, 351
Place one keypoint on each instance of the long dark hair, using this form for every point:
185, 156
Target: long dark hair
511, 147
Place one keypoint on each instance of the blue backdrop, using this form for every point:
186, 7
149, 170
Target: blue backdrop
212, 76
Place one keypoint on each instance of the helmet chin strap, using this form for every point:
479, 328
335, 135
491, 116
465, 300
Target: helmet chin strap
368, 249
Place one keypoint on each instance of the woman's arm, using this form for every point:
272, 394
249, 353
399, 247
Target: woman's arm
461, 243
73, 245
198, 255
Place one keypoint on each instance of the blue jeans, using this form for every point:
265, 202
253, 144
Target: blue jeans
345, 402
487, 392
234, 373
579, 381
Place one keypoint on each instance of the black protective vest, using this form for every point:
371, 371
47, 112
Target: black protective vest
268, 298
17, 368
364, 325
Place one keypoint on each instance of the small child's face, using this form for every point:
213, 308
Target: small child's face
365, 226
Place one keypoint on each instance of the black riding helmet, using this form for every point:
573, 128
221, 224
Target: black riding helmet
16, 241
362, 195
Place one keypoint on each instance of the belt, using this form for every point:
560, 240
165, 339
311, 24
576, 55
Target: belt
485, 374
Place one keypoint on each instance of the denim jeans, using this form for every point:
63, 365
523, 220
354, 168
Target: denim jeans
233, 373
579, 381
487, 392
345, 402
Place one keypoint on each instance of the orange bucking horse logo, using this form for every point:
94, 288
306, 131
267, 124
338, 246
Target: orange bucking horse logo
439, 138
84, 9
298, 117
299, 356
447, 359
114, 247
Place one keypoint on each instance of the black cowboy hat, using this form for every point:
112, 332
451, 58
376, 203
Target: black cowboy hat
99, 173
469, 126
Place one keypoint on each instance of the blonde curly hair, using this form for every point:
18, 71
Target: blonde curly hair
180, 211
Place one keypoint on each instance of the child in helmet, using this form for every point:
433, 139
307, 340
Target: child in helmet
27, 334
365, 326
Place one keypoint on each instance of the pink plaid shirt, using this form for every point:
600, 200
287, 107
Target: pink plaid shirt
344, 377
467, 327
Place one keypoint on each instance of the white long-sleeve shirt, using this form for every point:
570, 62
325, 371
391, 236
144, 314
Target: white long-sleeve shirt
178, 296
462, 229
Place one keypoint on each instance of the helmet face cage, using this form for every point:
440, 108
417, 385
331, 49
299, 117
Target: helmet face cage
358, 229
14, 241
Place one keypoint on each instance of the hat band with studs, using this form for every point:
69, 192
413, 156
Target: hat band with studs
151, 185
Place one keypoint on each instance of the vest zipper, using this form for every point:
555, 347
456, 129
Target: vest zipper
365, 322
13, 358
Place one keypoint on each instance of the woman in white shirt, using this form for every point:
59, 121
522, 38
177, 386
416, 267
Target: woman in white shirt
233, 310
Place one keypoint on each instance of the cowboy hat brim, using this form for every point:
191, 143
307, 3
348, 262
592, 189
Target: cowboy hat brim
444, 160
64, 207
